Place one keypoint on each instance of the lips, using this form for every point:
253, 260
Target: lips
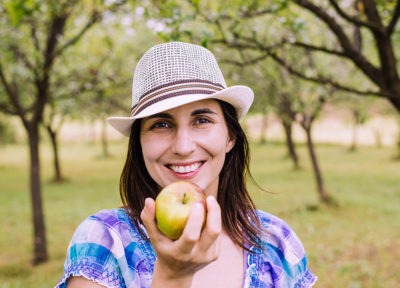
185, 168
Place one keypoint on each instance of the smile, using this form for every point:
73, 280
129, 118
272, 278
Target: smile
185, 168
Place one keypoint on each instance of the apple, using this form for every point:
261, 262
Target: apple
173, 205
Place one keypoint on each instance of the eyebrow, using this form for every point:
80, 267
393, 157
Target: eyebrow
202, 111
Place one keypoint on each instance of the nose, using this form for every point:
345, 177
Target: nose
183, 142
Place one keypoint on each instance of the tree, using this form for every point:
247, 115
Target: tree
359, 39
359, 35
287, 115
274, 94
111, 52
374, 20
34, 36
308, 112
53, 122
359, 117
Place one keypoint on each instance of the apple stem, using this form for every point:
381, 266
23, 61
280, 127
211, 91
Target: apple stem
185, 198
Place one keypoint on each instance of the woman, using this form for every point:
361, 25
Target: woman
184, 125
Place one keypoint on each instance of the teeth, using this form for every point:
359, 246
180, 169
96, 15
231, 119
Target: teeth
185, 169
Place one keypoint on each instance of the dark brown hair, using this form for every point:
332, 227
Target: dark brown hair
239, 215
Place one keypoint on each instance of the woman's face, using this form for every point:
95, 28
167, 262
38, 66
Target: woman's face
186, 143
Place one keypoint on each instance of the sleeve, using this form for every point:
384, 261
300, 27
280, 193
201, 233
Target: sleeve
90, 255
284, 257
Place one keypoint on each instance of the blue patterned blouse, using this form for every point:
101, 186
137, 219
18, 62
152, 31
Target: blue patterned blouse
107, 248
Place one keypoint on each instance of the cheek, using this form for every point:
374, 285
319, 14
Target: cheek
150, 149
217, 143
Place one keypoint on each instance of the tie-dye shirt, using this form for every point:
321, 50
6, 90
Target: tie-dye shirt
108, 249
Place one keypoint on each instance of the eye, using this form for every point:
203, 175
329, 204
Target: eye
160, 124
202, 120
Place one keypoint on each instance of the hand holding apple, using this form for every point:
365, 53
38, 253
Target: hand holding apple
173, 206
180, 259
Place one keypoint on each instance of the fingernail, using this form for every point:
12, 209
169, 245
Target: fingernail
146, 203
211, 198
198, 206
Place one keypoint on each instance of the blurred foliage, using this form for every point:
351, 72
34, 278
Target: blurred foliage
7, 133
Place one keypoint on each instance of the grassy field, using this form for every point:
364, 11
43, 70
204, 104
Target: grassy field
356, 244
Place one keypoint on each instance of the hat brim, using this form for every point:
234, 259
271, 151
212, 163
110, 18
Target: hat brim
239, 96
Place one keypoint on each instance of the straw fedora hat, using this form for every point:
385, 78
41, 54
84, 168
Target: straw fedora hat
177, 73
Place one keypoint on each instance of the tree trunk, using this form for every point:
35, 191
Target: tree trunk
357, 119
324, 197
291, 147
395, 102
378, 137
104, 139
353, 146
264, 126
56, 158
398, 140
398, 149
39, 228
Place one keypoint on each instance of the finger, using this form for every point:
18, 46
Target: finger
148, 217
192, 231
213, 226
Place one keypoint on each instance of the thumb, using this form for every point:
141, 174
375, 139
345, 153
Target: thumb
148, 214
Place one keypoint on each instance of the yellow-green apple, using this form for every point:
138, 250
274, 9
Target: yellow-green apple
173, 205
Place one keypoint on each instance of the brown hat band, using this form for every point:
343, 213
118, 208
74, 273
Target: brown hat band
175, 89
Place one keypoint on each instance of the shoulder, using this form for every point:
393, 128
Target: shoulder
93, 247
111, 217
104, 225
280, 237
106, 247
106, 233
283, 252
269, 220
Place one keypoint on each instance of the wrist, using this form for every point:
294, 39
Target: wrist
167, 278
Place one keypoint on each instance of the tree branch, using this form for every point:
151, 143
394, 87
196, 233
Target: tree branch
318, 48
323, 80
220, 29
10, 91
248, 43
357, 58
372, 14
56, 29
395, 18
6, 109
329, 21
94, 18
356, 20
21, 56
34, 37
245, 62
256, 13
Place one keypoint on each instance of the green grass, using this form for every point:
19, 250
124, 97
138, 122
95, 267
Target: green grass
356, 244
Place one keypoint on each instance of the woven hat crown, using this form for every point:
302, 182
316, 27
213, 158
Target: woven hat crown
174, 62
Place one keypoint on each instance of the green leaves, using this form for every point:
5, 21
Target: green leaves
19, 9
